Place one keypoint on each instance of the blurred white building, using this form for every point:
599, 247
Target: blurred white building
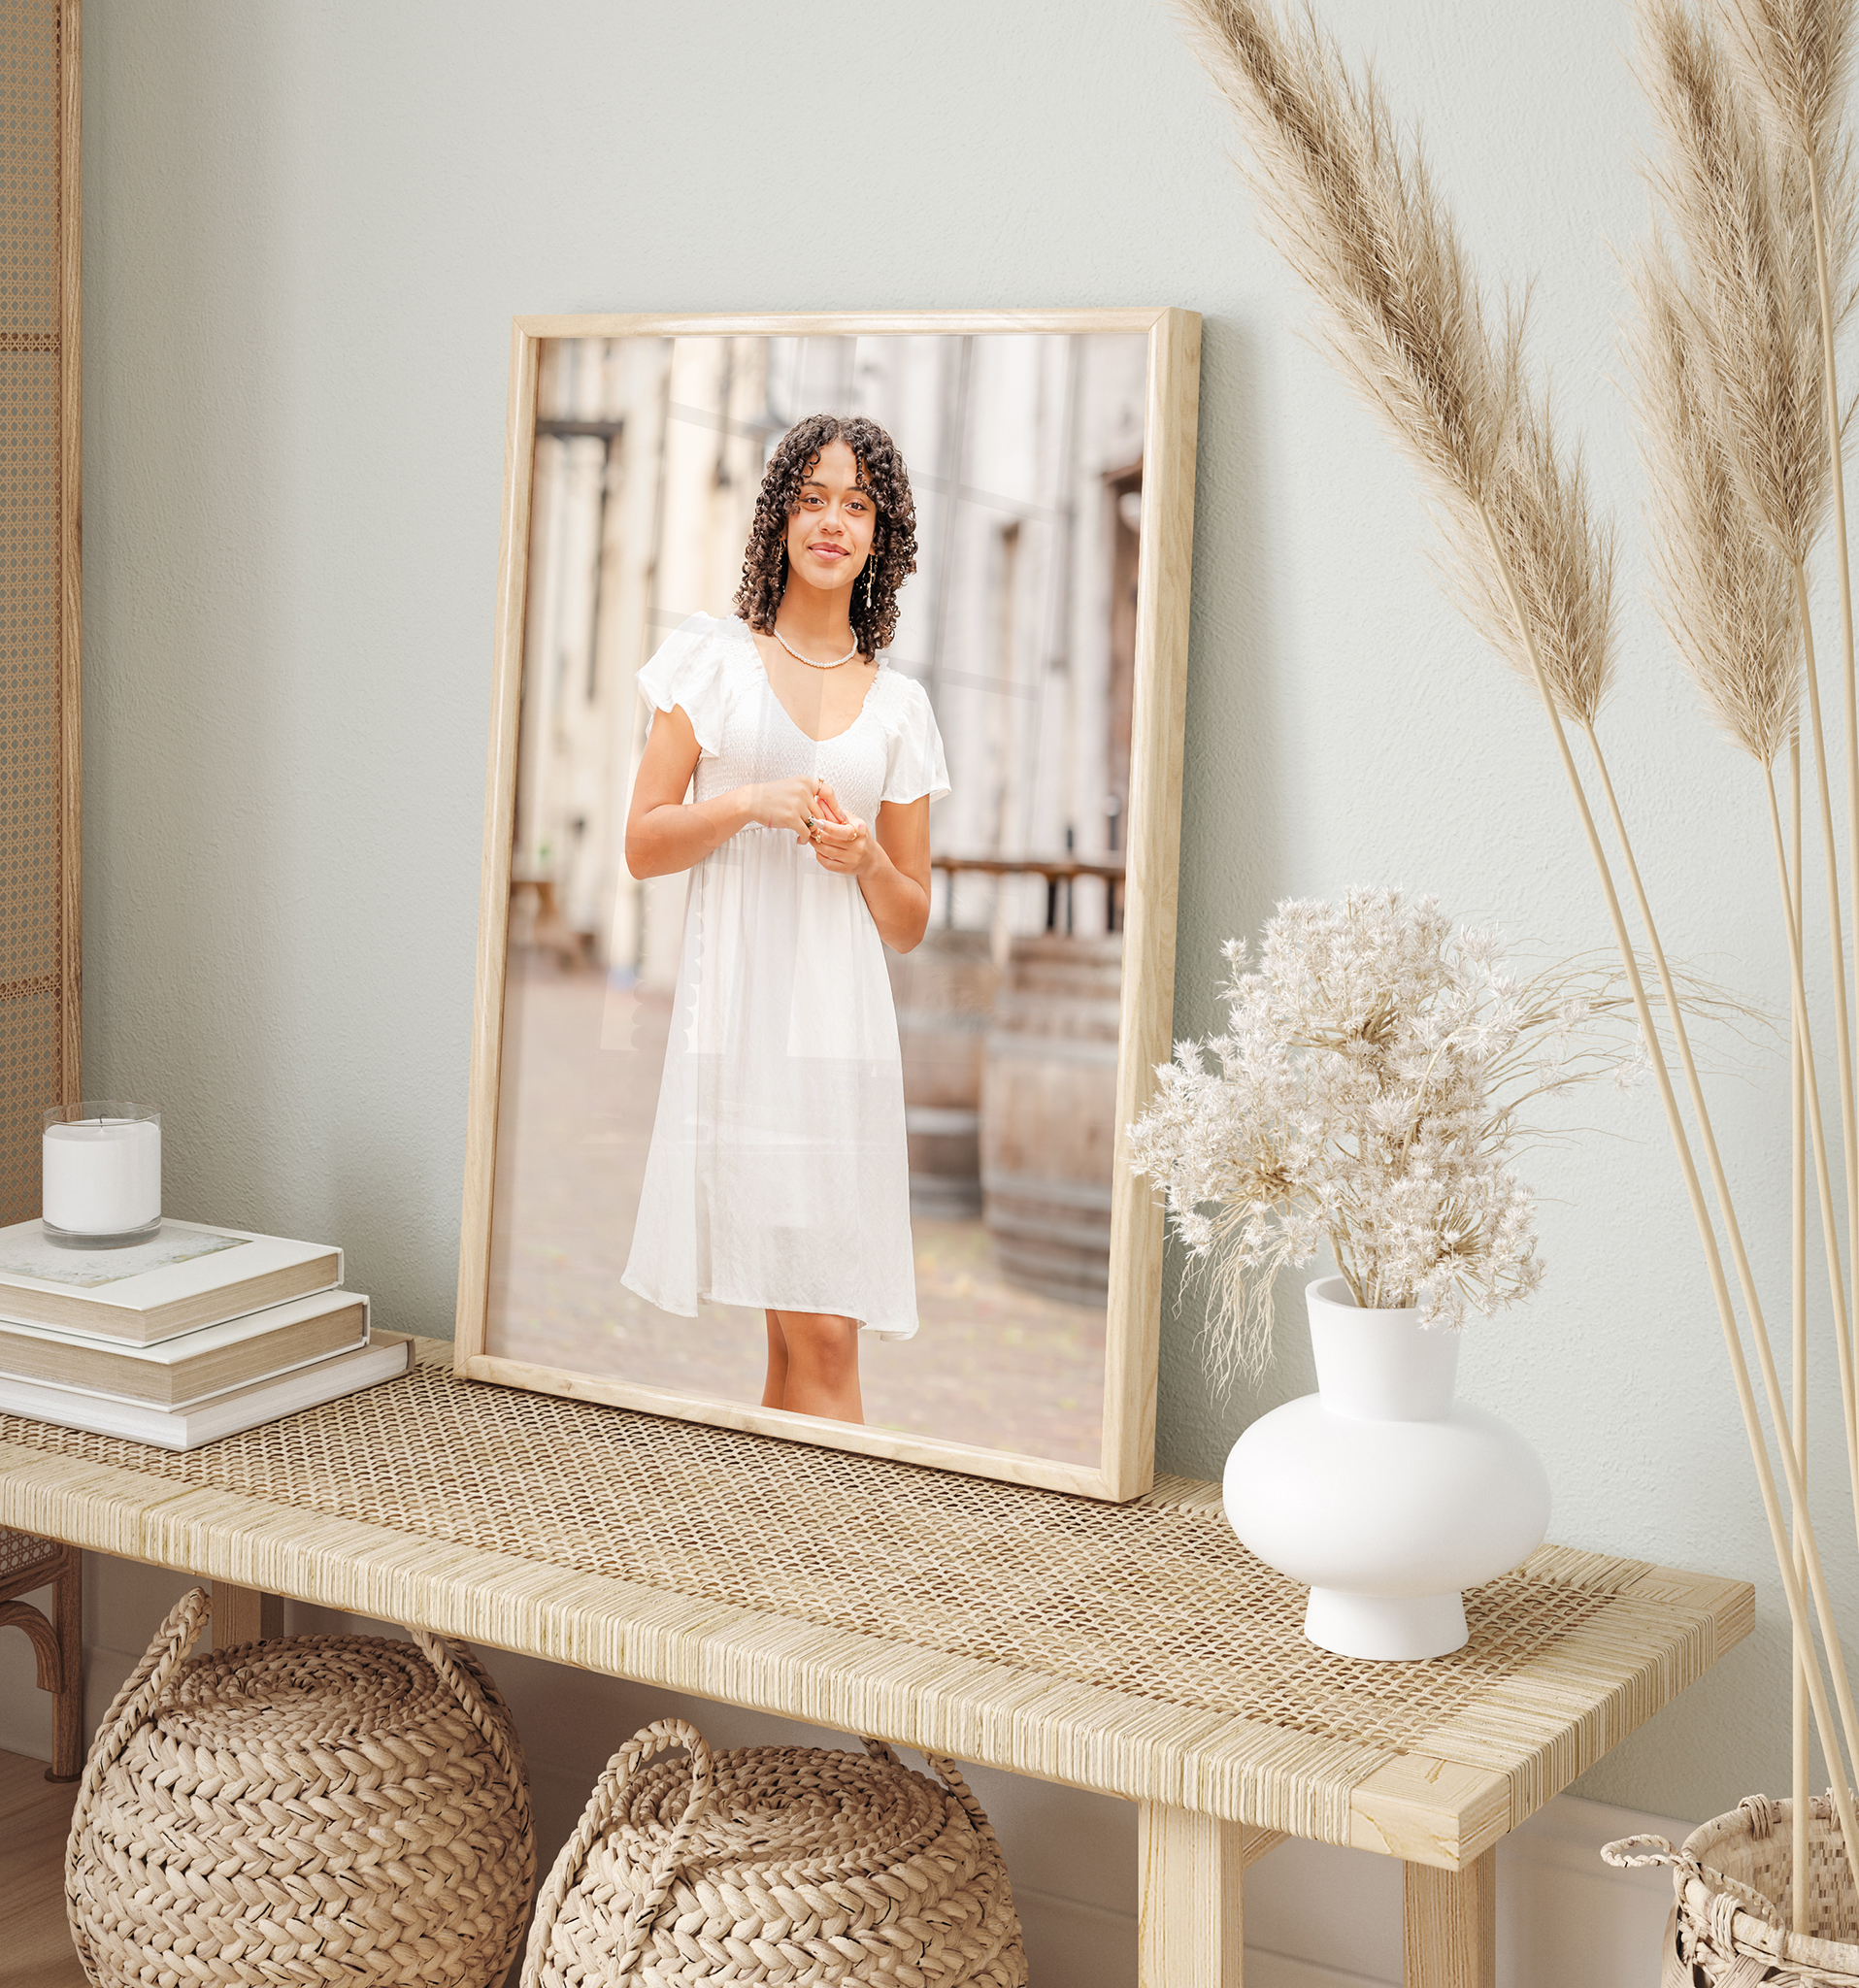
1025, 459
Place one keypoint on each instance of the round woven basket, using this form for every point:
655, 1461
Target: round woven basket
1734, 1880
325, 1810
788, 1865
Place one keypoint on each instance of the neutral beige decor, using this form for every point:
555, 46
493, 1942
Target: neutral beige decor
1734, 1880
1135, 1650
1740, 289
325, 1809
794, 1865
1151, 841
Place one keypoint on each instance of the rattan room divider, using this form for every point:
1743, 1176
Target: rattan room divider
40, 596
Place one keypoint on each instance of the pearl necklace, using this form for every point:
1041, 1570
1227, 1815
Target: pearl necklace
809, 660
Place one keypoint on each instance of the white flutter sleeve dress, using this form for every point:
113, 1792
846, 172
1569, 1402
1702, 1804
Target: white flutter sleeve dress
777, 1174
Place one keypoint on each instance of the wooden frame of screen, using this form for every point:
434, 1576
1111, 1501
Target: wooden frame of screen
1126, 1466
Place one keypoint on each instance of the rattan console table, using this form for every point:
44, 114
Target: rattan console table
1133, 1649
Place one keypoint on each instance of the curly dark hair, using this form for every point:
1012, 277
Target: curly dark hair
882, 471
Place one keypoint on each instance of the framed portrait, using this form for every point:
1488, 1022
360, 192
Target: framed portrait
826, 938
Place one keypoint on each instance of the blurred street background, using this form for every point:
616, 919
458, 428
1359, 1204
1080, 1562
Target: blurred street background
1025, 460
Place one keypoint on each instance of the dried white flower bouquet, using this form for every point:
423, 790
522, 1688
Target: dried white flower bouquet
1365, 1094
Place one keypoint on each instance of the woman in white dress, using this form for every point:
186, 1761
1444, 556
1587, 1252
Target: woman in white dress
778, 1175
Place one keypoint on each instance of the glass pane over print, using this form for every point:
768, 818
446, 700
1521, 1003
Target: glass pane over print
717, 1069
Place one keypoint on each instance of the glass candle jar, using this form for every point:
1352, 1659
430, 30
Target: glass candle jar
102, 1177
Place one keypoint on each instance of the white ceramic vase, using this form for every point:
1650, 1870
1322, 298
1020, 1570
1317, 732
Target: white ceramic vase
1380, 1492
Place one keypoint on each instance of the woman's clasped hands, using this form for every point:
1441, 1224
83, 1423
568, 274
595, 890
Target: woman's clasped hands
843, 842
785, 804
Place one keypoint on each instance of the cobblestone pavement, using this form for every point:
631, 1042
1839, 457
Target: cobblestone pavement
989, 1365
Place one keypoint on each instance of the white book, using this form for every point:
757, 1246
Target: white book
194, 1367
387, 1355
185, 1276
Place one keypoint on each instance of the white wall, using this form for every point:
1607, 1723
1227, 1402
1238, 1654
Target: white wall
307, 228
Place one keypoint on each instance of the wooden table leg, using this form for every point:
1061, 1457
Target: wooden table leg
67, 1727
1449, 1925
1190, 1917
238, 1614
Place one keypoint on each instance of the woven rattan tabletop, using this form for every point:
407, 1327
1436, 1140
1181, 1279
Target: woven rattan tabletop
1136, 1649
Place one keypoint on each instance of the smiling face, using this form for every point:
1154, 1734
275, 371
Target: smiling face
829, 529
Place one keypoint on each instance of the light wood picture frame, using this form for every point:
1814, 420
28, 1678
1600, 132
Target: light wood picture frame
1158, 503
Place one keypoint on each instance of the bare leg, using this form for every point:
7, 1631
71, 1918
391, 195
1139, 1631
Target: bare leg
775, 1388
821, 1366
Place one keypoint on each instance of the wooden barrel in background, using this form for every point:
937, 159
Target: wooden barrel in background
944, 990
1048, 1115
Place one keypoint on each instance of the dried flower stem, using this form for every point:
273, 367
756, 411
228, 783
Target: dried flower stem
1801, 1731
1795, 55
1843, 568
1357, 217
1803, 1543
1823, 281
1842, 1314
1784, 1547
1811, 1092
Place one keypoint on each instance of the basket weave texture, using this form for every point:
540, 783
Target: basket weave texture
321, 1811
801, 1867
1734, 1880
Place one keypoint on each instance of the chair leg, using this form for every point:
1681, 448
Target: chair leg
67, 1731
57, 1645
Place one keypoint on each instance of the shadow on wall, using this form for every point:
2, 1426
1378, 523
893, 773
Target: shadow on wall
1233, 773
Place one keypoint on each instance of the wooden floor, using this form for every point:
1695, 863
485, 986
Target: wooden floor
34, 1816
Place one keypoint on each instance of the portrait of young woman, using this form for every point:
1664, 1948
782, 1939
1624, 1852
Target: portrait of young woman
778, 1176
829, 861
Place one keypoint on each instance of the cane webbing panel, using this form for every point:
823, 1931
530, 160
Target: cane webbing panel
19, 1551
31, 635
1155, 1599
33, 536
31, 1028
1132, 1648
29, 235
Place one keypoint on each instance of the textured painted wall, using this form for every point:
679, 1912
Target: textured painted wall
307, 228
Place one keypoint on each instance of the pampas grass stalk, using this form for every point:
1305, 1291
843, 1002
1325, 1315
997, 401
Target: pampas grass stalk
1740, 206
1732, 373
1801, 1749
1795, 52
1724, 197
1843, 1314
1803, 1542
1355, 214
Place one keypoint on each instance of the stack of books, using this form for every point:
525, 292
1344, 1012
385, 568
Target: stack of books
196, 1334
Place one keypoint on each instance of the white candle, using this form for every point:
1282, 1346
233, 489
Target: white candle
103, 1176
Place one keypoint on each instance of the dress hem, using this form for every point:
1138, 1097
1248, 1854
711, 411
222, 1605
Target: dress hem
877, 1332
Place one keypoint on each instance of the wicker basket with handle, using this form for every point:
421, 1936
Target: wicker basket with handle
325, 1810
801, 1867
1734, 1880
